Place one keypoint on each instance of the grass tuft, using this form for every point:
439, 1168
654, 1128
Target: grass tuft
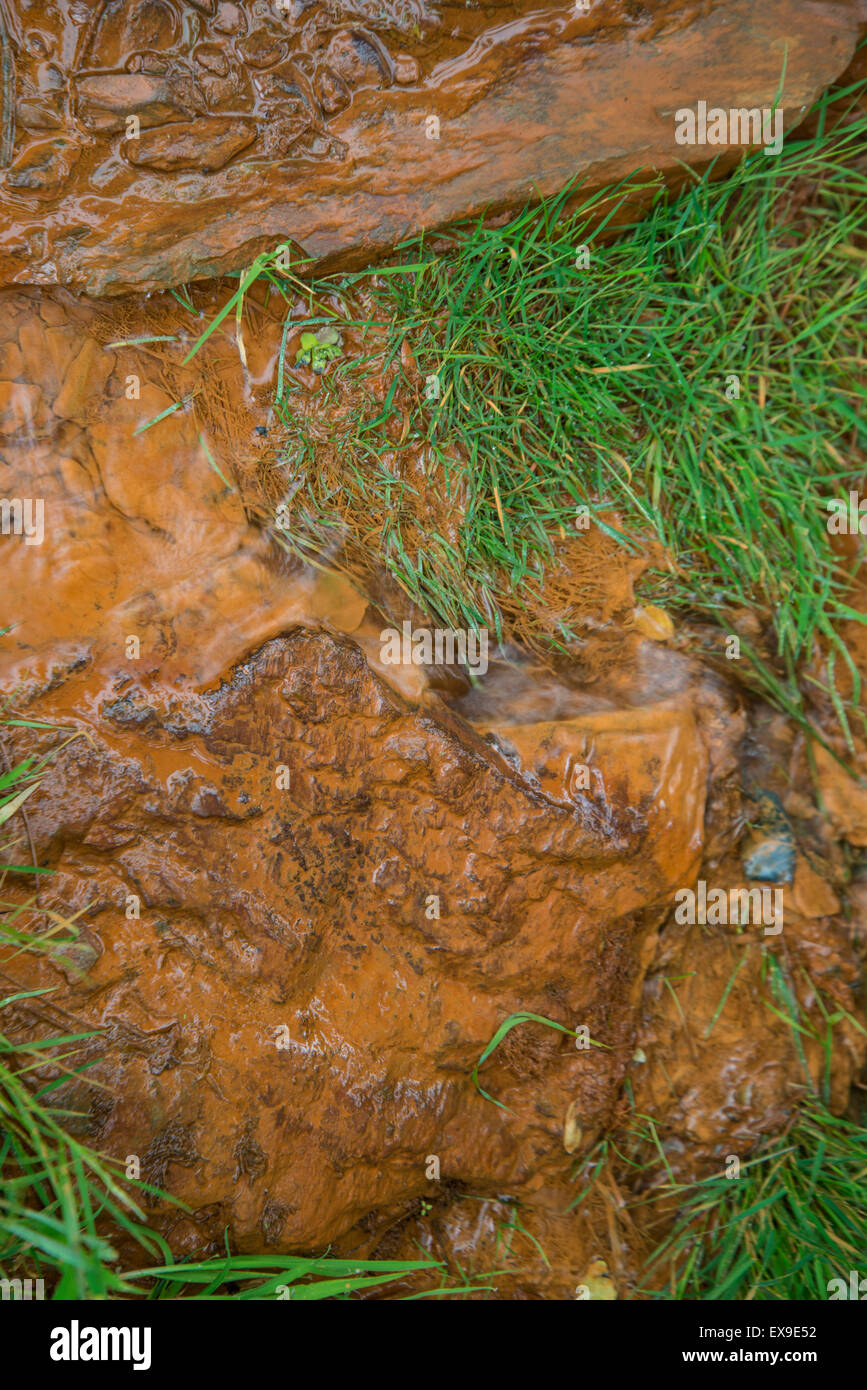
704, 374
792, 1221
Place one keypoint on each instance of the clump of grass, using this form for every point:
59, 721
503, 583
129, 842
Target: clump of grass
794, 1216
567, 386
54, 1188
704, 374
17, 783
793, 1220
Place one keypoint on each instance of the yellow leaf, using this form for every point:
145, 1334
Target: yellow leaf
8, 809
572, 1131
654, 623
598, 1282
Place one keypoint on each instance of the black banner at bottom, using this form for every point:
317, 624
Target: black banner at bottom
225, 1338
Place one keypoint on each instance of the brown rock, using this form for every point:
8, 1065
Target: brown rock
810, 895
206, 144
522, 108
42, 168
105, 101
20, 408
288, 942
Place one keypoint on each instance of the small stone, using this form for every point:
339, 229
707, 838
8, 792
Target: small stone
229, 20
811, 895
332, 92
770, 860
262, 50
653, 622
76, 959
206, 144
147, 26
43, 167
406, 70
212, 58
354, 61
105, 101
768, 855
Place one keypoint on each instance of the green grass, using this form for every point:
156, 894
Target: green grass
513, 1021
606, 386
17, 783
793, 1220
795, 1216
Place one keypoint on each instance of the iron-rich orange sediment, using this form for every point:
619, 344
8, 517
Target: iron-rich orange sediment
151, 143
309, 892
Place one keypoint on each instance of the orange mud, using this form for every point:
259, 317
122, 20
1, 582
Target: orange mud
309, 887
151, 143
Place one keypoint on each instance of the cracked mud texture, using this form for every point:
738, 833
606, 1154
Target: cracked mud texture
151, 142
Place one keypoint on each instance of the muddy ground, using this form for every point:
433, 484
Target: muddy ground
310, 885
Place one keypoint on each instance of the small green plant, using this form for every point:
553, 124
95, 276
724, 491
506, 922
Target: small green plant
318, 349
506, 1027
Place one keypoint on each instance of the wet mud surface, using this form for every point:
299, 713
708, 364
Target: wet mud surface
153, 142
310, 886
